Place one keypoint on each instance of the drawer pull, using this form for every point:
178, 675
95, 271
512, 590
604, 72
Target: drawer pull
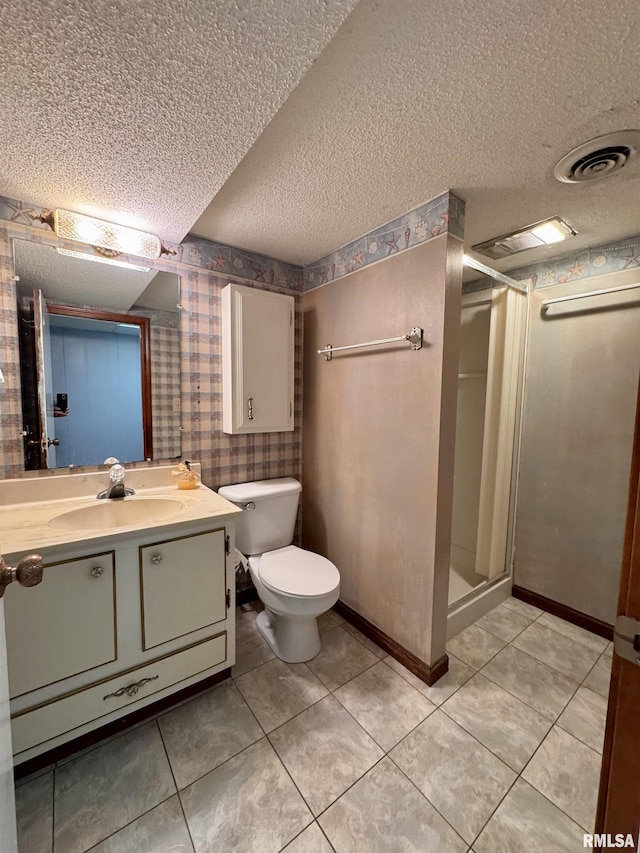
156, 558
97, 572
130, 689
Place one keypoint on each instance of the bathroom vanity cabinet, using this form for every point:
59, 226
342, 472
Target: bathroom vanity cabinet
257, 360
117, 623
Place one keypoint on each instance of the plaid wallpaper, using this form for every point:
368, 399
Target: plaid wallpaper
11, 457
165, 391
224, 458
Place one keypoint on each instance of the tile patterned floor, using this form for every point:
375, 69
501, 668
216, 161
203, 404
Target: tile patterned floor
351, 753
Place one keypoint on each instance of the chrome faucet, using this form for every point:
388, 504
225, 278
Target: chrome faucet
117, 488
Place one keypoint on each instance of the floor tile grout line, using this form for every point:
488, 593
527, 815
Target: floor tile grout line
175, 782
557, 723
384, 660
472, 666
502, 799
535, 786
422, 794
294, 783
515, 610
326, 836
568, 639
386, 751
333, 692
533, 657
355, 782
133, 820
166, 755
557, 717
129, 823
303, 830
566, 636
471, 734
548, 799
222, 763
508, 642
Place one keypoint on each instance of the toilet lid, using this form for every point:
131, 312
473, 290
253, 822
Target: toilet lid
297, 572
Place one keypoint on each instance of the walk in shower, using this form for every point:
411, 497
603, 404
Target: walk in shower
492, 331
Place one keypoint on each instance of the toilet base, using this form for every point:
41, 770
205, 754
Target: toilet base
292, 639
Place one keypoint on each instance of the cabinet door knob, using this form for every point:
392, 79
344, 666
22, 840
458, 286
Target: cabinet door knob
250, 408
97, 572
156, 558
28, 572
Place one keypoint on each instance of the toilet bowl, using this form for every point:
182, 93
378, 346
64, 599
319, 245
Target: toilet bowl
296, 586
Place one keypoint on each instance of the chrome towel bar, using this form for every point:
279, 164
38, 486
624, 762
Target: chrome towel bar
414, 338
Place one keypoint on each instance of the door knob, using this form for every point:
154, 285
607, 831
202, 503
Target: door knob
28, 572
156, 558
54, 441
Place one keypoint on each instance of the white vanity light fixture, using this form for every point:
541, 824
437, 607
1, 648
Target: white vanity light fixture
107, 239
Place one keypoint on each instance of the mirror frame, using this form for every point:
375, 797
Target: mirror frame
144, 325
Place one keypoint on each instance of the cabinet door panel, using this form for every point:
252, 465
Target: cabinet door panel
183, 586
258, 360
64, 626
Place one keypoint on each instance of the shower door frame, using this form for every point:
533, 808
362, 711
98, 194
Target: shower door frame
501, 300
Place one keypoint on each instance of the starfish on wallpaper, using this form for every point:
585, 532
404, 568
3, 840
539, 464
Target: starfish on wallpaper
260, 274
357, 258
575, 270
392, 244
20, 212
220, 261
631, 261
323, 275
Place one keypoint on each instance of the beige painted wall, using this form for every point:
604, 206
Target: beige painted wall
581, 382
379, 430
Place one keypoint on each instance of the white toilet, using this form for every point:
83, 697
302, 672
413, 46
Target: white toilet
295, 585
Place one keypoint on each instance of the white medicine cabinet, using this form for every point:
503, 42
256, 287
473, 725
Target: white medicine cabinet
257, 360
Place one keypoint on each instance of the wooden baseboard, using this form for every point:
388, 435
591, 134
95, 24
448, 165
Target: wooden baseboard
426, 673
582, 620
92, 738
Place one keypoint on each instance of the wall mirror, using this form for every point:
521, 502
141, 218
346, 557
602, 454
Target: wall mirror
99, 359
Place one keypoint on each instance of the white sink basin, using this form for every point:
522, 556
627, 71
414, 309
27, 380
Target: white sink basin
106, 514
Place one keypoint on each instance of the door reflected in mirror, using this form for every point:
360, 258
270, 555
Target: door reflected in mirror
99, 360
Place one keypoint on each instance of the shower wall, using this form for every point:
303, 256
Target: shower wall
581, 380
472, 389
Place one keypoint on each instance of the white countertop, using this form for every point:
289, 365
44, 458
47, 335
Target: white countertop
24, 525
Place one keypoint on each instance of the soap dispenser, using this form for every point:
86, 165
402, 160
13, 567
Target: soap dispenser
185, 477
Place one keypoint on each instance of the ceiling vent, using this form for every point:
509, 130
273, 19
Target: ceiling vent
599, 158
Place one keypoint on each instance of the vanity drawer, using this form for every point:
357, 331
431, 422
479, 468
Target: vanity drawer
38, 725
64, 626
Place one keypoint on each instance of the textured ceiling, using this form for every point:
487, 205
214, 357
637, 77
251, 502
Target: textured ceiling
139, 112
413, 98
304, 124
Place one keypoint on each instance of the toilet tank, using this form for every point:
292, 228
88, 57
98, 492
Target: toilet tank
269, 519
